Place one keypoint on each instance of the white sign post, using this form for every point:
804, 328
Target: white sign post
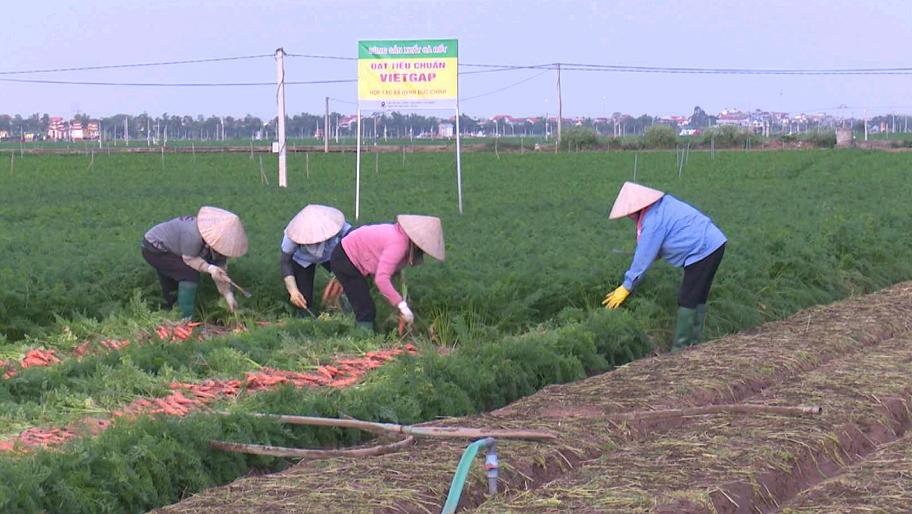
407, 75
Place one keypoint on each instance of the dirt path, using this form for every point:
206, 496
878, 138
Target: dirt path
854, 359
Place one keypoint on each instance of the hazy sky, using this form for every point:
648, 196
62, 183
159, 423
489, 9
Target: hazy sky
724, 33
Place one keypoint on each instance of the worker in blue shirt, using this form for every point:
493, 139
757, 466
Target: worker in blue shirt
672, 230
309, 240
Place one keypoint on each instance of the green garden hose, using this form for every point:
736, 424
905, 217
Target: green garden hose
462, 471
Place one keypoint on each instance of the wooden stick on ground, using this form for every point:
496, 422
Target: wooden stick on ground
716, 409
304, 453
390, 428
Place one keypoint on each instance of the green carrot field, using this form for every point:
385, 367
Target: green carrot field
804, 228
515, 307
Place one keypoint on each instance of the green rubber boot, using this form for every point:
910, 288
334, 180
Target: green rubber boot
186, 298
365, 328
684, 329
699, 321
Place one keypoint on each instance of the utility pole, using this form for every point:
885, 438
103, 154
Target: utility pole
866, 124
126, 131
280, 70
326, 128
148, 132
560, 112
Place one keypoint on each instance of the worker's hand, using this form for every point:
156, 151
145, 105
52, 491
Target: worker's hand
218, 274
294, 294
405, 313
615, 298
298, 300
332, 292
232, 303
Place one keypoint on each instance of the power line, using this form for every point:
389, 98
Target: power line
733, 71
174, 84
505, 87
141, 65
506, 67
330, 57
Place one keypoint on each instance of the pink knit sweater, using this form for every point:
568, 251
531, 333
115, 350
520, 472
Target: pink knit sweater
381, 251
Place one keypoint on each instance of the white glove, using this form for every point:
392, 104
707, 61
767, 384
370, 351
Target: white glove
405, 313
232, 303
218, 274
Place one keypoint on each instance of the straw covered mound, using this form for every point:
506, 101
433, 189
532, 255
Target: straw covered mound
853, 359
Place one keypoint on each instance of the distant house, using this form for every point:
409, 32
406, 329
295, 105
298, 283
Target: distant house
346, 121
92, 131
445, 129
57, 129
733, 119
4, 135
76, 131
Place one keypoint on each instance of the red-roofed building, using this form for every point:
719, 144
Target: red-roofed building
57, 129
346, 121
92, 132
76, 132
736, 119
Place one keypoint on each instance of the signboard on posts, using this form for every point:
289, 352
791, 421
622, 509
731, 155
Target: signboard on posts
408, 74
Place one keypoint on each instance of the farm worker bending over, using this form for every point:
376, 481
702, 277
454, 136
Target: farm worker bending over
181, 248
381, 251
309, 240
670, 229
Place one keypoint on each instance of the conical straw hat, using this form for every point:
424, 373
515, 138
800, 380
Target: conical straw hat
222, 230
315, 224
632, 198
426, 232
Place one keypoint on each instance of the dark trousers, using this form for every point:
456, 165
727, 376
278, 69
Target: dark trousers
355, 285
304, 278
171, 270
698, 278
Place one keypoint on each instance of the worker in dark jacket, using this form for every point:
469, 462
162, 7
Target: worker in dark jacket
183, 247
308, 241
670, 229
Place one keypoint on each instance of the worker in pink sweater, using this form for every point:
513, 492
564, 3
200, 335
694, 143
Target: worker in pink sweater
382, 250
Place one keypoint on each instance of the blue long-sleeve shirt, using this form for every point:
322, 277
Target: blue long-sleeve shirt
306, 255
675, 231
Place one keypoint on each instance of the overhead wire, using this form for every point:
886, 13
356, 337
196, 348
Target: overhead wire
175, 84
505, 87
138, 65
483, 68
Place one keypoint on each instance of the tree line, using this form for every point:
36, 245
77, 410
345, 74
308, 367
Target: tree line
305, 125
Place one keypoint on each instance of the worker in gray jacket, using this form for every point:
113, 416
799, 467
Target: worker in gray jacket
181, 248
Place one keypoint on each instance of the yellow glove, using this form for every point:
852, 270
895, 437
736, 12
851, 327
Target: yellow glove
295, 296
615, 298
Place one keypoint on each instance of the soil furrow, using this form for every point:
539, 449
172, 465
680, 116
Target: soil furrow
746, 463
881, 483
